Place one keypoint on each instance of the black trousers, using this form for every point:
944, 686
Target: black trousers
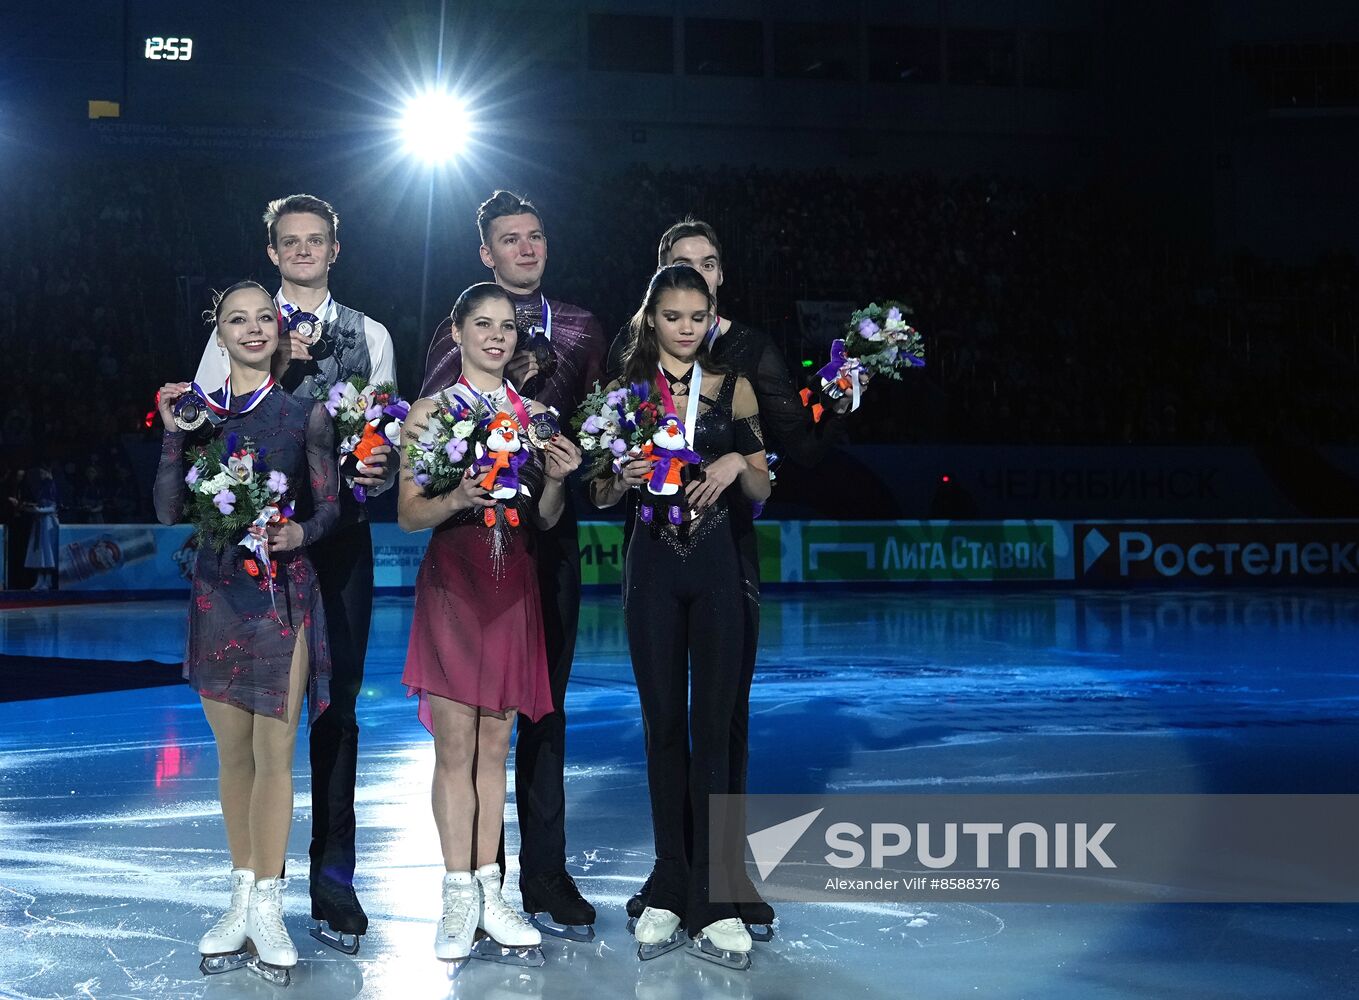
540, 747
687, 634
344, 571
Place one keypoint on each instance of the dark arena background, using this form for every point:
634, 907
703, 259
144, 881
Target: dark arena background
1104, 542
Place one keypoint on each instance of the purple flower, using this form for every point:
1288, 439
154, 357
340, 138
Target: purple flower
335, 398
455, 450
619, 447
225, 501
641, 390
421, 479
232, 440
894, 315
191, 476
617, 398
869, 330
278, 483
591, 425
372, 413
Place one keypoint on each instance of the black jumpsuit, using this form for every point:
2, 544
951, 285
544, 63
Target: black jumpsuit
688, 618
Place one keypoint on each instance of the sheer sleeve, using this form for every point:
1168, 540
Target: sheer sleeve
324, 474
787, 422
443, 361
168, 494
747, 435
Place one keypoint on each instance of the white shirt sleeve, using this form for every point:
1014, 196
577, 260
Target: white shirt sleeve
213, 368
382, 368
381, 356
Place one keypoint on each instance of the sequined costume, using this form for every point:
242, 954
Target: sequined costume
686, 611
240, 649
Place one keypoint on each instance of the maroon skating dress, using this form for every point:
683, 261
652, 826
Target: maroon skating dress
477, 636
240, 650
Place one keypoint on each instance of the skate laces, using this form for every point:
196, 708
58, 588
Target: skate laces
560, 884
493, 900
268, 906
460, 907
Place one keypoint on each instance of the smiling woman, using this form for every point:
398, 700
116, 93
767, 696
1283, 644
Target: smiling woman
476, 656
257, 629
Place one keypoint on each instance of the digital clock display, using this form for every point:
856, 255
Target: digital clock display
169, 49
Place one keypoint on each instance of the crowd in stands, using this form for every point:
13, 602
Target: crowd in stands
1051, 316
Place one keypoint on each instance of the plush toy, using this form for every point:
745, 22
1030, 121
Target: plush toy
384, 429
838, 377
668, 453
499, 463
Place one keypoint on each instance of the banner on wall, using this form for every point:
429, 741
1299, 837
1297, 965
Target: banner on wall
150, 557
1217, 552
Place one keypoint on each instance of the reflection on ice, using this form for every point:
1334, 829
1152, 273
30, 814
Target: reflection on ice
113, 861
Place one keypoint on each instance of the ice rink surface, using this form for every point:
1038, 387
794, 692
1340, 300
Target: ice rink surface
113, 856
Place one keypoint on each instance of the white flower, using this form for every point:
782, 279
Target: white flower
222, 481
463, 429
427, 437
588, 443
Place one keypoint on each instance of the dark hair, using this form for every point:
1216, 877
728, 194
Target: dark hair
214, 315
643, 352
499, 205
300, 204
475, 296
683, 230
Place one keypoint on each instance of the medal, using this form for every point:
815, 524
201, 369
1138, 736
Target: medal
542, 428
190, 411
306, 326
537, 339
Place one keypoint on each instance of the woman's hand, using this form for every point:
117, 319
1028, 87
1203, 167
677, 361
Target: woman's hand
284, 536
469, 492
716, 478
560, 458
372, 472
169, 394
633, 472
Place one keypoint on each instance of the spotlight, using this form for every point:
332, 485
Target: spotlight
435, 127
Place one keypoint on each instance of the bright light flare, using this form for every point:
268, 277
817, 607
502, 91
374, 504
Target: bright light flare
435, 127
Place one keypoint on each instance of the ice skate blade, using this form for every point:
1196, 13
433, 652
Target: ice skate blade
632, 925
455, 965
279, 975
487, 949
341, 941
646, 952
580, 933
760, 932
230, 961
702, 948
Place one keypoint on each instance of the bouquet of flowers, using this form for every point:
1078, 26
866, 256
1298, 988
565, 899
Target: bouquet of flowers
610, 425
231, 490
447, 445
878, 341
366, 416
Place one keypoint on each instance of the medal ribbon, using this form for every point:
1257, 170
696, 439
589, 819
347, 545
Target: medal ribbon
223, 409
713, 332
515, 400
691, 410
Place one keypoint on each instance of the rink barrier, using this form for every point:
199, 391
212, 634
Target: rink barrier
146, 557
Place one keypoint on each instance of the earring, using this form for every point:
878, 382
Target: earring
222, 349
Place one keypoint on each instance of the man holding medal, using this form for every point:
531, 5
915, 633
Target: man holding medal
329, 343
559, 357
